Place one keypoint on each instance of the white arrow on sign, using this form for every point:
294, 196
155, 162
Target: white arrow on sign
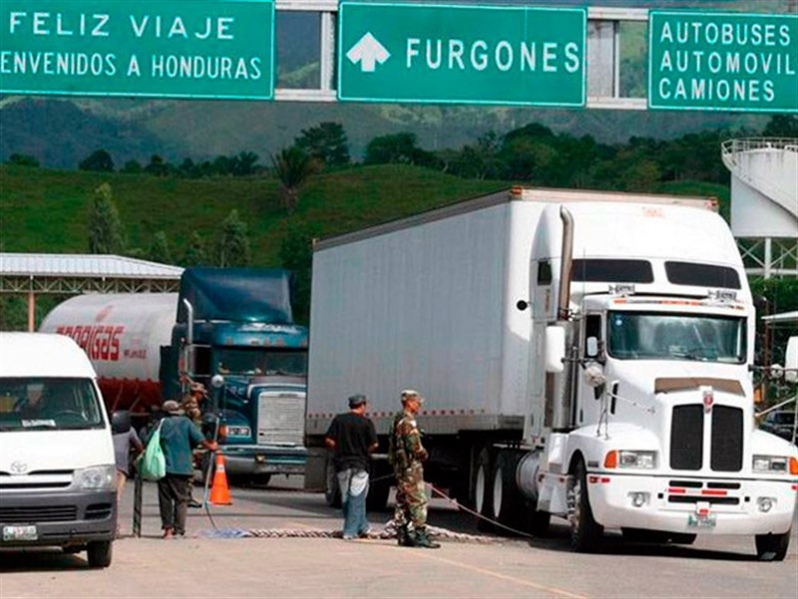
368, 51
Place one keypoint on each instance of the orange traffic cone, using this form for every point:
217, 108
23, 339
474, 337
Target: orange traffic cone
220, 492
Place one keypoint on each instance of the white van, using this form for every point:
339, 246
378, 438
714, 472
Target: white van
57, 472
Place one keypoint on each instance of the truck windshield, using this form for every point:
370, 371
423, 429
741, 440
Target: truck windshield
48, 404
263, 362
646, 336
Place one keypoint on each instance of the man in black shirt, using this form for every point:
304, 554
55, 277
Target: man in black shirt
352, 438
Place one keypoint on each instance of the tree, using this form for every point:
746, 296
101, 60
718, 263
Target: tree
106, 234
398, 148
132, 167
782, 125
296, 254
243, 165
326, 143
195, 255
232, 248
292, 167
99, 161
159, 250
158, 166
479, 161
22, 160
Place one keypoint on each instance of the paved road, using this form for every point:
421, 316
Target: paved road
204, 565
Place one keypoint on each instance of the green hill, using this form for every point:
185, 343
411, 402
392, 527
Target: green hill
46, 210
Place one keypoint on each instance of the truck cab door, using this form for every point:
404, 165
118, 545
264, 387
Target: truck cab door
587, 407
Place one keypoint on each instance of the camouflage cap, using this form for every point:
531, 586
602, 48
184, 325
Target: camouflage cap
411, 393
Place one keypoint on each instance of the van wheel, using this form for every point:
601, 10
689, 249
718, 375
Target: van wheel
100, 553
585, 531
772, 548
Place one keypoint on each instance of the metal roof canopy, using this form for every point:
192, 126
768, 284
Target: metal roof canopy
82, 273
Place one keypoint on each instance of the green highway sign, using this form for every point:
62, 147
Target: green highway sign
466, 54
723, 61
221, 49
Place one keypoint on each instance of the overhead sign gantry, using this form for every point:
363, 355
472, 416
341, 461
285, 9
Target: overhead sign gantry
168, 48
461, 54
400, 52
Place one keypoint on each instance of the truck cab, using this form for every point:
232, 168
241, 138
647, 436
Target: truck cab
257, 376
647, 400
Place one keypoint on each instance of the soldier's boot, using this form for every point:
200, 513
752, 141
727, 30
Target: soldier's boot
422, 540
404, 537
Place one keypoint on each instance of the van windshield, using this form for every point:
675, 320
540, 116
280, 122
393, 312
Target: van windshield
28, 404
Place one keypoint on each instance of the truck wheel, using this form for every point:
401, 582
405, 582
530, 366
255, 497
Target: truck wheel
772, 548
332, 494
585, 531
508, 504
483, 496
537, 522
100, 553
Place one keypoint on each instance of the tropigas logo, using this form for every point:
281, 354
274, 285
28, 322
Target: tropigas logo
100, 342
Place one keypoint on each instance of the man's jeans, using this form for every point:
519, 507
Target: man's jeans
354, 485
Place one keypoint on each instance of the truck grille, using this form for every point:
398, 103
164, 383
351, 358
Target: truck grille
726, 438
281, 419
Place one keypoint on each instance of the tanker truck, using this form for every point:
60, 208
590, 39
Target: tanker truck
584, 355
232, 330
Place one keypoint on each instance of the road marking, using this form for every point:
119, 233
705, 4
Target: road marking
520, 581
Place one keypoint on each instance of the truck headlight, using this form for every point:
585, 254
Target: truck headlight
774, 464
238, 431
627, 458
96, 478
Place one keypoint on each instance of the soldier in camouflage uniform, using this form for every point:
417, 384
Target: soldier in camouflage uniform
406, 453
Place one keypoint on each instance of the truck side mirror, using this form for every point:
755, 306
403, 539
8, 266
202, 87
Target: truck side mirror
592, 347
555, 348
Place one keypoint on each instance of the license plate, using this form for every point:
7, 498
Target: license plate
694, 521
20, 533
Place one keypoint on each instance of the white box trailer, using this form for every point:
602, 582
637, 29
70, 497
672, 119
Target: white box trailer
432, 302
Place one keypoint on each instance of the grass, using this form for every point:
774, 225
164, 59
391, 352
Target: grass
45, 211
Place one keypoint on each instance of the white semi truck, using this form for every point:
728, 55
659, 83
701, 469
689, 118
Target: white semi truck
583, 354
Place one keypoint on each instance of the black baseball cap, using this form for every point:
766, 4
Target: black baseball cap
357, 400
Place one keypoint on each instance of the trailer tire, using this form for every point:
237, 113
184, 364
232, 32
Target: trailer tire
585, 531
332, 494
772, 548
100, 553
483, 495
508, 503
